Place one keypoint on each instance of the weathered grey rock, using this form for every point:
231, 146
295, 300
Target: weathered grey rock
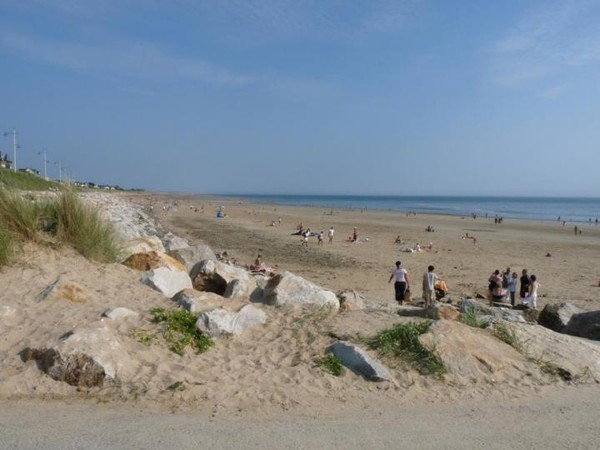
350, 300
192, 255
119, 313
167, 280
436, 312
569, 357
84, 357
75, 369
240, 288
556, 316
359, 361
172, 242
290, 289
472, 355
220, 322
141, 245
470, 305
585, 325
214, 276
195, 301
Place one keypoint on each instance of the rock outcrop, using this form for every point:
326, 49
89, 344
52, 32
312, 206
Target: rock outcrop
119, 313
167, 280
196, 302
141, 245
215, 276
192, 255
220, 322
290, 289
172, 242
556, 316
586, 325
153, 260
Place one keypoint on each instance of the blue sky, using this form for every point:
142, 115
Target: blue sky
308, 96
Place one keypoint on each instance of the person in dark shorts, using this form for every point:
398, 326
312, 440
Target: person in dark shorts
525, 283
401, 283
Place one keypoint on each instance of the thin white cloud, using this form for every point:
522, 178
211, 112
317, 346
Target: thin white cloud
554, 92
123, 59
559, 37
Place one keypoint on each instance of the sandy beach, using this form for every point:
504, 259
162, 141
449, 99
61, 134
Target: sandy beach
264, 387
570, 274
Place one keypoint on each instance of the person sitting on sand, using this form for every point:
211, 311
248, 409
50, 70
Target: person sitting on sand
260, 266
398, 240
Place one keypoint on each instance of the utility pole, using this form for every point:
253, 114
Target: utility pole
14, 133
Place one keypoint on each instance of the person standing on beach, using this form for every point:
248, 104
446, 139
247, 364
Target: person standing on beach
506, 278
320, 238
531, 299
355, 235
429, 279
330, 234
401, 283
512, 287
525, 282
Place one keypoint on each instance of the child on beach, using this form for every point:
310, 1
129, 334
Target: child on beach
320, 238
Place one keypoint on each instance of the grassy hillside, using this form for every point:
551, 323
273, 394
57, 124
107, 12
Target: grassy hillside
25, 181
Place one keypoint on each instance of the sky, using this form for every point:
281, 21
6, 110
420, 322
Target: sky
404, 97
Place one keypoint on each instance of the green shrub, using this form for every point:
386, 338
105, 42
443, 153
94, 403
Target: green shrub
181, 330
330, 364
80, 226
403, 341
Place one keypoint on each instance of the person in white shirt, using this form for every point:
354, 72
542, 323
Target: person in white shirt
429, 279
401, 284
531, 299
330, 234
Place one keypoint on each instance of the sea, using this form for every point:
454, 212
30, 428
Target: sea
544, 209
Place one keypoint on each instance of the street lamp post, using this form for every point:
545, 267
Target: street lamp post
14, 134
43, 152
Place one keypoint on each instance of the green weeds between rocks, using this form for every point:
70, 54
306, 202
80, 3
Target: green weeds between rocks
330, 364
144, 337
403, 341
181, 330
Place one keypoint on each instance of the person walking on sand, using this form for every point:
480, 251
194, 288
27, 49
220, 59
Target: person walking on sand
330, 234
320, 238
429, 279
401, 283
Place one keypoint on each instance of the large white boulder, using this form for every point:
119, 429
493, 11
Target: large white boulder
192, 255
141, 245
167, 280
220, 322
172, 242
290, 289
195, 301
86, 356
215, 276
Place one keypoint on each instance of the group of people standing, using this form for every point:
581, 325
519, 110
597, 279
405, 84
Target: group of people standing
504, 286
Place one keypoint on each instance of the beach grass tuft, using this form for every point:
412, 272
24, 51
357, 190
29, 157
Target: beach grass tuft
330, 364
6, 246
81, 226
505, 334
181, 331
402, 341
21, 215
471, 319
